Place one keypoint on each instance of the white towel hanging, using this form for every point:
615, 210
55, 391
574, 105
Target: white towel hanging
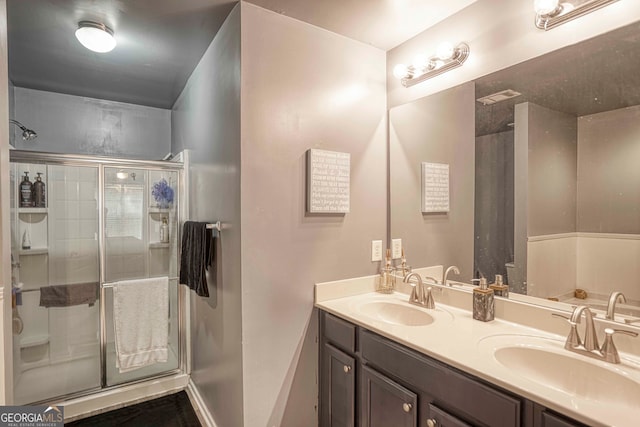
140, 317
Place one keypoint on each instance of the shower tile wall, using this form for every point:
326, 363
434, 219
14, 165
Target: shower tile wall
74, 220
73, 257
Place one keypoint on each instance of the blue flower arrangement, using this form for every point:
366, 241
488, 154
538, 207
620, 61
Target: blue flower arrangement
162, 193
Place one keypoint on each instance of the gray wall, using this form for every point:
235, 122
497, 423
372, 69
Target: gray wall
553, 171
608, 172
78, 125
302, 87
545, 178
439, 128
206, 120
493, 243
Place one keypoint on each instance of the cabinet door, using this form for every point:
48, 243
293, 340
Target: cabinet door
439, 418
386, 403
338, 388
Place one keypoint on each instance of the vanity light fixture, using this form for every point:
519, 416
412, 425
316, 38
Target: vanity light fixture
95, 36
551, 13
447, 57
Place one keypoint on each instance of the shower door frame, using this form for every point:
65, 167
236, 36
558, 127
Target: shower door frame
99, 162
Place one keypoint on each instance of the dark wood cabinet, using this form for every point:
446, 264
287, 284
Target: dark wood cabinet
370, 381
338, 388
385, 403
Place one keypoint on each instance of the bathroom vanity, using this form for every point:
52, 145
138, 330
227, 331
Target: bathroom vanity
387, 363
369, 380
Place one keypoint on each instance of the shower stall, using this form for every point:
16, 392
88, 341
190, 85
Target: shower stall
102, 220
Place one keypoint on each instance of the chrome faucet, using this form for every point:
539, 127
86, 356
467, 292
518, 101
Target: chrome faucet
613, 300
453, 268
418, 293
589, 347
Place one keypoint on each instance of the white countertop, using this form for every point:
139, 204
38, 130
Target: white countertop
456, 339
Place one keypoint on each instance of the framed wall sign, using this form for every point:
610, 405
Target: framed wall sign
435, 187
328, 181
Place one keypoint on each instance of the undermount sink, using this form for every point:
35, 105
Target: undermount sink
396, 312
546, 362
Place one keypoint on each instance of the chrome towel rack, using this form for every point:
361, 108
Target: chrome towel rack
215, 226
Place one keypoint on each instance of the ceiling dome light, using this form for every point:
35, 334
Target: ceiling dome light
95, 36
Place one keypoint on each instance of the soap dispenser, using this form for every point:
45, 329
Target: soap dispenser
387, 278
483, 302
499, 288
403, 269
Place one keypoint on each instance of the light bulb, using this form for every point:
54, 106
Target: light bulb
420, 62
445, 51
545, 7
95, 36
401, 71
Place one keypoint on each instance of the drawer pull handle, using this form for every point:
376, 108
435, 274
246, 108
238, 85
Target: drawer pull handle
406, 407
346, 369
432, 423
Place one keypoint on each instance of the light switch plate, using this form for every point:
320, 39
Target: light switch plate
376, 250
396, 248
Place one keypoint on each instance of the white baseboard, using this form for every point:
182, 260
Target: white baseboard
202, 411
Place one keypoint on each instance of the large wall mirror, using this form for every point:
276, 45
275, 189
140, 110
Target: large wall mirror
544, 174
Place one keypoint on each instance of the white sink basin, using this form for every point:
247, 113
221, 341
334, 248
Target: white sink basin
391, 310
546, 362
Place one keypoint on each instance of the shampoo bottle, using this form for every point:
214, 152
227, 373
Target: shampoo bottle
39, 195
26, 188
483, 302
164, 231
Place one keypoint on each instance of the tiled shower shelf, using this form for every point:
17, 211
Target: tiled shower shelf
34, 251
158, 245
33, 341
32, 210
153, 209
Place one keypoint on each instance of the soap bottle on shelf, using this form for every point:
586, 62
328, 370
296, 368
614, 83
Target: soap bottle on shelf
499, 288
164, 231
39, 195
483, 302
26, 189
26, 239
387, 279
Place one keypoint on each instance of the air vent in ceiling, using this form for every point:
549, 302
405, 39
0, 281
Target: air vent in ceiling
498, 97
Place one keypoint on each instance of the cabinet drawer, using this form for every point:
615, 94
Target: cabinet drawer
340, 332
469, 397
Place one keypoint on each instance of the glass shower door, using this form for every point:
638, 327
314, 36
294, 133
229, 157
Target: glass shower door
140, 237
56, 271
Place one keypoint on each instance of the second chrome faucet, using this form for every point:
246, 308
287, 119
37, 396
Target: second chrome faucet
589, 346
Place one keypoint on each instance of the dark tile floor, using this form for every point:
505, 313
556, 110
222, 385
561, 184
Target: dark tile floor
174, 410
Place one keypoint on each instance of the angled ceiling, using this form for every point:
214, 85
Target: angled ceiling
161, 41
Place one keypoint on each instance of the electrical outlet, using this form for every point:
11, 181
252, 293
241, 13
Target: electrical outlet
376, 250
396, 248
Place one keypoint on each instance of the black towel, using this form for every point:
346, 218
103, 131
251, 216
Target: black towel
198, 256
69, 295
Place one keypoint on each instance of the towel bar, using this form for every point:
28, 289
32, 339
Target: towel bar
110, 285
216, 225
